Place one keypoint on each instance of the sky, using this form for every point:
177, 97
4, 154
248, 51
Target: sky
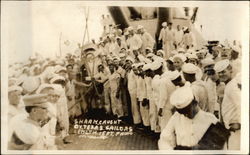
29, 27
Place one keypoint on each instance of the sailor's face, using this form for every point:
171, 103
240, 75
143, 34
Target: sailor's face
41, 114
159, 54
193, 61
14, 97
178, 63
225, 75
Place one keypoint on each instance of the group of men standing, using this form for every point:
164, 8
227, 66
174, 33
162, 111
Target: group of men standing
181, 92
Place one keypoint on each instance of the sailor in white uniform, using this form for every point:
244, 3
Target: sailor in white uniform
189, 123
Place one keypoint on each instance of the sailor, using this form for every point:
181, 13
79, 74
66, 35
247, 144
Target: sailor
190, 127
211, 79
142, 97
28, 133
157, 68
165, 108
178, 35
134, 41
162, 36
231, 104
114, 80
147, 39
179, 60
189, 72
62, 107
16, 105
170, 37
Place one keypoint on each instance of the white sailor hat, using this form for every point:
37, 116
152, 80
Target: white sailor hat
139, 27
181, 50
146, 67
126, 33
150, 55
207, 61
130, 28
57, 78
121, 55
44, 86
171, 59
164, 24
221, 65
30, 84
202, 51
161, 51
60, 68
141, 57
174, 75
180, 56
37, 100
89, 46
150, 49
15, 88
156, 64
186, 98
192, 56
129, 58
135, 65
189, 68
140, 64
185, 28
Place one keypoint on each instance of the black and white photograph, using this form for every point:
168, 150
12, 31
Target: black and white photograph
124, 76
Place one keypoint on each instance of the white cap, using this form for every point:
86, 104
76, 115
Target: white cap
30, 84
164, 24
189, 68
181, 50
44, 86
139, 27
126, 33
130, 28
181, 56
192, 56
57, 78
207, 61
38, 100
146, 67
140, 64
150, 49
15, 88
60, 69
162, 52
149, 55
156, 64
130, 59
221, 65
172, 75
122, 55
182, 96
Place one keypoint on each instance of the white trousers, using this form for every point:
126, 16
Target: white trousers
135, 108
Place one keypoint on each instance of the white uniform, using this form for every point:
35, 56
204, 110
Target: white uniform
178, 36
116, 103
62, 111
183, 131
132, 88
154, 105
31, 135
147, 41
201, 94
166, 89
134, 42
142, 94
231, 111
212, 95
170, 37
